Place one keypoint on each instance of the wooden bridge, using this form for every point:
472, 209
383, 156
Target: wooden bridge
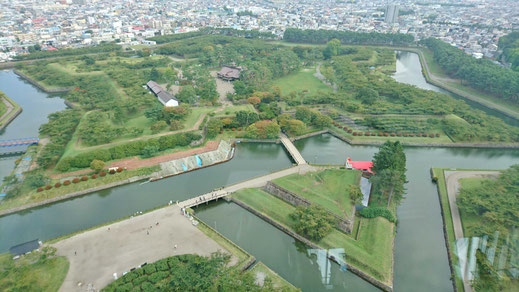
296, 155
205, 198
18, 142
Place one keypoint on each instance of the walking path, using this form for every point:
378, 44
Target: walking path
251, 183
292, 150
452, 181
95, 255
321, 77
9, 106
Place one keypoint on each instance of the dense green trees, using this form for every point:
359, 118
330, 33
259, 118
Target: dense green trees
510, 46
389, 165
103, 48
479, 73
346, 37
313, 222
263, 130
189, 273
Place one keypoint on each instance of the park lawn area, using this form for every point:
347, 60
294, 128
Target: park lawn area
32, 272
231, 110
277, 280
371, 253
301, 81
329, 188
29, 195
470, 220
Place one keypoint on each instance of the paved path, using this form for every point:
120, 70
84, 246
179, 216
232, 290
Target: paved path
292, 150
118, 247
9, 108
251, 183
321, 77
452, 181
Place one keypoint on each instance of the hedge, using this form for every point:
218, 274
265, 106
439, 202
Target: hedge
129, 149
377, 212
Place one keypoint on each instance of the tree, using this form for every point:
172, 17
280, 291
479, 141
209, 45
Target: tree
254, 100
322, 121
304, 114
175, 113
35, 180
367, 95
154, 113
245, 118
332, 48
97, 165
356, 195
154, 74
158, 126
263, 130
389, 167
214, 126
296, 127
187, 94
313, 222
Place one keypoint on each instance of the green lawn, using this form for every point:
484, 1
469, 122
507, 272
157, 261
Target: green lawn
301, 81
371, 253
37, 271
329, 188
231, 110
277, 281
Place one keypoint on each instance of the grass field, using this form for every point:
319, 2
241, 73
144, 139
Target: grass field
301, 81
37, 271
371, 253
328, 188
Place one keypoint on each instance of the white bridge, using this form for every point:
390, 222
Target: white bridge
205, 198
298, 158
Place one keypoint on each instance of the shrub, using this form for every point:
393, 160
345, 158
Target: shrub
399, 134
350, 131
102, 173
354, 133
373, 212
119, 169
411, 134
393, 135
437, 135
149, 269
360, 133
233, 129
435, 179
373, 134
380, 134
84, 178
40, 189
66, 182
112, 171
405, 135
431, 135
57, 185
386, 134
75, 180
48, 187
239, 129
367, 134
94, 176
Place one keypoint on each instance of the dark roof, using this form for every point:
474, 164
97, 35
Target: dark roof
154, 87
25, 247
165, 96
229, 72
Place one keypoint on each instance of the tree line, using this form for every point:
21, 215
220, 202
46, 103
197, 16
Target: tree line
102, 48
321, 36
478, 73
509, 44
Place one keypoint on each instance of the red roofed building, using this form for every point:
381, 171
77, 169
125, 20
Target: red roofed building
360, 165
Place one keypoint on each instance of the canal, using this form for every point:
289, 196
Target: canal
36, 105
420, 255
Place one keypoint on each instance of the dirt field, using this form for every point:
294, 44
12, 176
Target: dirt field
96, 255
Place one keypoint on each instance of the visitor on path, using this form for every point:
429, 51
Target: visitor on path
75, 252
147, 232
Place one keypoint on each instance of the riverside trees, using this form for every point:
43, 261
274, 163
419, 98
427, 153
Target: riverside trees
389, 167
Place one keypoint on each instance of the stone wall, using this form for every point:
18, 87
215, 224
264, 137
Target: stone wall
343, 224
363, 275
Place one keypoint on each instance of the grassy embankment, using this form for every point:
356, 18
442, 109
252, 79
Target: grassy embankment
37, 271
30, 195
3, 108
371, 250
483, 98
328, 188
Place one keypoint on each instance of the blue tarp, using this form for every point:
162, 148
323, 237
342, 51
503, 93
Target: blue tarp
184, 166
3, 195
198, 160
27, 158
